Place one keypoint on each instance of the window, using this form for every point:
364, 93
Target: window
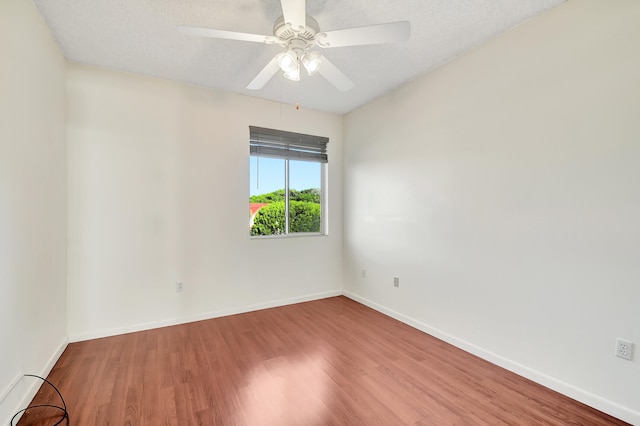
286, 193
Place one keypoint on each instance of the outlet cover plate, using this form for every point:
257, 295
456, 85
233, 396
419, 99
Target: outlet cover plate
624, 349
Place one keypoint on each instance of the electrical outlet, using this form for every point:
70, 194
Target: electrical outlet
179, 287
396, 282
624, 349
363, 273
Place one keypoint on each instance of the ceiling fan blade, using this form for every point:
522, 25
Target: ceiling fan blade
334, 75
294, 13
371, 34
265, 75
228, 35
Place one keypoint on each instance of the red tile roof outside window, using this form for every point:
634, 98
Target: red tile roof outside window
254, 207
253, 210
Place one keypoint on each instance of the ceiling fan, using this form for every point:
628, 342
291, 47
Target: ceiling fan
298, 33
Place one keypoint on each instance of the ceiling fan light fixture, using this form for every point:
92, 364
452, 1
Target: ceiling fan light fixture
294, 73
288, 61
312, 62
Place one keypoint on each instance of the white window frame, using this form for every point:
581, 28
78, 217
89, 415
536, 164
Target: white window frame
298, 147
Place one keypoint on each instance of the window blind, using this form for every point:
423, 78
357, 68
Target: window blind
287, 145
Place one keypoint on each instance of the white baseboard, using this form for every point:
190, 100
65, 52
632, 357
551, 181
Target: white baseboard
202, 316
604, 405
33, 384
12, 384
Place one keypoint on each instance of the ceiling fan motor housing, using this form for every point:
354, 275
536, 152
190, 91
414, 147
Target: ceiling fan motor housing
286, 34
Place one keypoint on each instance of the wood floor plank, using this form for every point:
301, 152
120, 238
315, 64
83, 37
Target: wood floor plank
327, 362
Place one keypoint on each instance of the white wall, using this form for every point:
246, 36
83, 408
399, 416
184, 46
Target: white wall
503, 189
158, 193
32, 203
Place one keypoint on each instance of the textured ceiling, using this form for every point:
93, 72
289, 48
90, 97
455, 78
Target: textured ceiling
140, 36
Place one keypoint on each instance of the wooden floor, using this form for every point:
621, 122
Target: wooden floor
327, 362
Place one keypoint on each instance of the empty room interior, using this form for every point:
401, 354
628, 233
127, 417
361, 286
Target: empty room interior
479, 237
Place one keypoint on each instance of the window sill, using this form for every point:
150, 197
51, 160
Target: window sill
285, 236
